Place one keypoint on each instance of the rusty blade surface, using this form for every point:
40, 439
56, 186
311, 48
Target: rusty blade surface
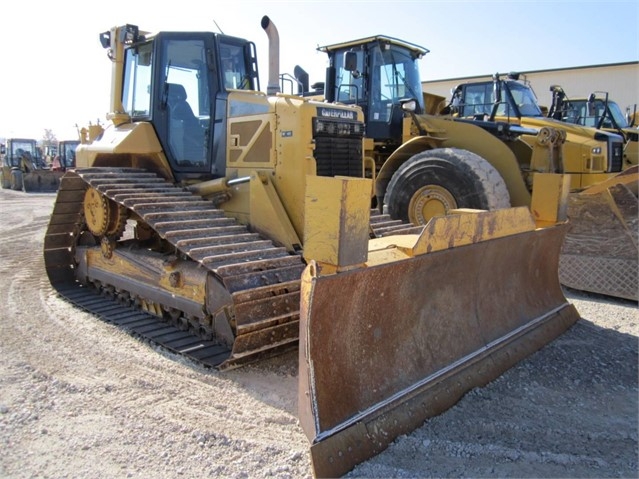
384, 348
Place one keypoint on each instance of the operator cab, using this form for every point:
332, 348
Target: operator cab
180, 83
18, 149
595, 112
504, 98
379, 74
67, 153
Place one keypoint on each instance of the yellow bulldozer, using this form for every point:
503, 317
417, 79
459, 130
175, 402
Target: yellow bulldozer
24, 168
428, 158
228, 224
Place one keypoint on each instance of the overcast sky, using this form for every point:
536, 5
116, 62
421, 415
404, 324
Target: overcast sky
55, 74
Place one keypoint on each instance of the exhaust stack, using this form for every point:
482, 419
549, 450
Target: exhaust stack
273, 86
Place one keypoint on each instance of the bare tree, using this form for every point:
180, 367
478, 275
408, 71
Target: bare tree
48, 146
49, 138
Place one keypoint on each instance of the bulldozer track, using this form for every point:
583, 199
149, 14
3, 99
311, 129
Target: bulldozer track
262, 279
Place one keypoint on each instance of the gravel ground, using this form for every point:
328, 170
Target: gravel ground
80, 398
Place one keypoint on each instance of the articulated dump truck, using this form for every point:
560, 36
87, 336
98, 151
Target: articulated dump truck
600, 254
229, 225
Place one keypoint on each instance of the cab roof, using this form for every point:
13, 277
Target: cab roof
416, 49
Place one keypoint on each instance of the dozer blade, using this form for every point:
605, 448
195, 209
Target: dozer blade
41, 181
600, 254
384, 347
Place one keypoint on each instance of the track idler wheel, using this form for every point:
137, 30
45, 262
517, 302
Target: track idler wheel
107, 246
103, 216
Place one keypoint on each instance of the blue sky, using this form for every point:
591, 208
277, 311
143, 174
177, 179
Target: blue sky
55, 74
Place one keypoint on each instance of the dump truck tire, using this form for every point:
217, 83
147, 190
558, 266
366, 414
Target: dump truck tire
16, 180
433, 182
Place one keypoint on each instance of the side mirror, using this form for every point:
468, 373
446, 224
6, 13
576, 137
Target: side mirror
350, 61
409, 105
591, 105
497, 91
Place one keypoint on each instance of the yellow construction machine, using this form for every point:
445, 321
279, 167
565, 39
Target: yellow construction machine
228, 224
599, 112
64, 157
24, 168
428, 162
592, 153
601, 253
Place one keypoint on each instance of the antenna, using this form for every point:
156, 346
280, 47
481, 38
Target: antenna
218, 27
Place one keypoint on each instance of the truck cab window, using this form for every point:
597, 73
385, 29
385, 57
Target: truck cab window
187, 100
136, 94
234, 67
350, 84
524, 99
478, 101
394, 77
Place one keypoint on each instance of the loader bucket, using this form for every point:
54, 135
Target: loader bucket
600, 254
384, 347
41, 181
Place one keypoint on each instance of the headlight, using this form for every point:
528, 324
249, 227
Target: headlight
320, 126
410, 105
596, 150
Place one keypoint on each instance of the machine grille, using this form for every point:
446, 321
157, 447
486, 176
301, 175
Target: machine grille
338, 156
615, 154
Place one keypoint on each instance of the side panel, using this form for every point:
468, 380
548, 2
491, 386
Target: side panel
133, 145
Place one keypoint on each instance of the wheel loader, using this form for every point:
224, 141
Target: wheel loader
24, 168
427, 159
228, 225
